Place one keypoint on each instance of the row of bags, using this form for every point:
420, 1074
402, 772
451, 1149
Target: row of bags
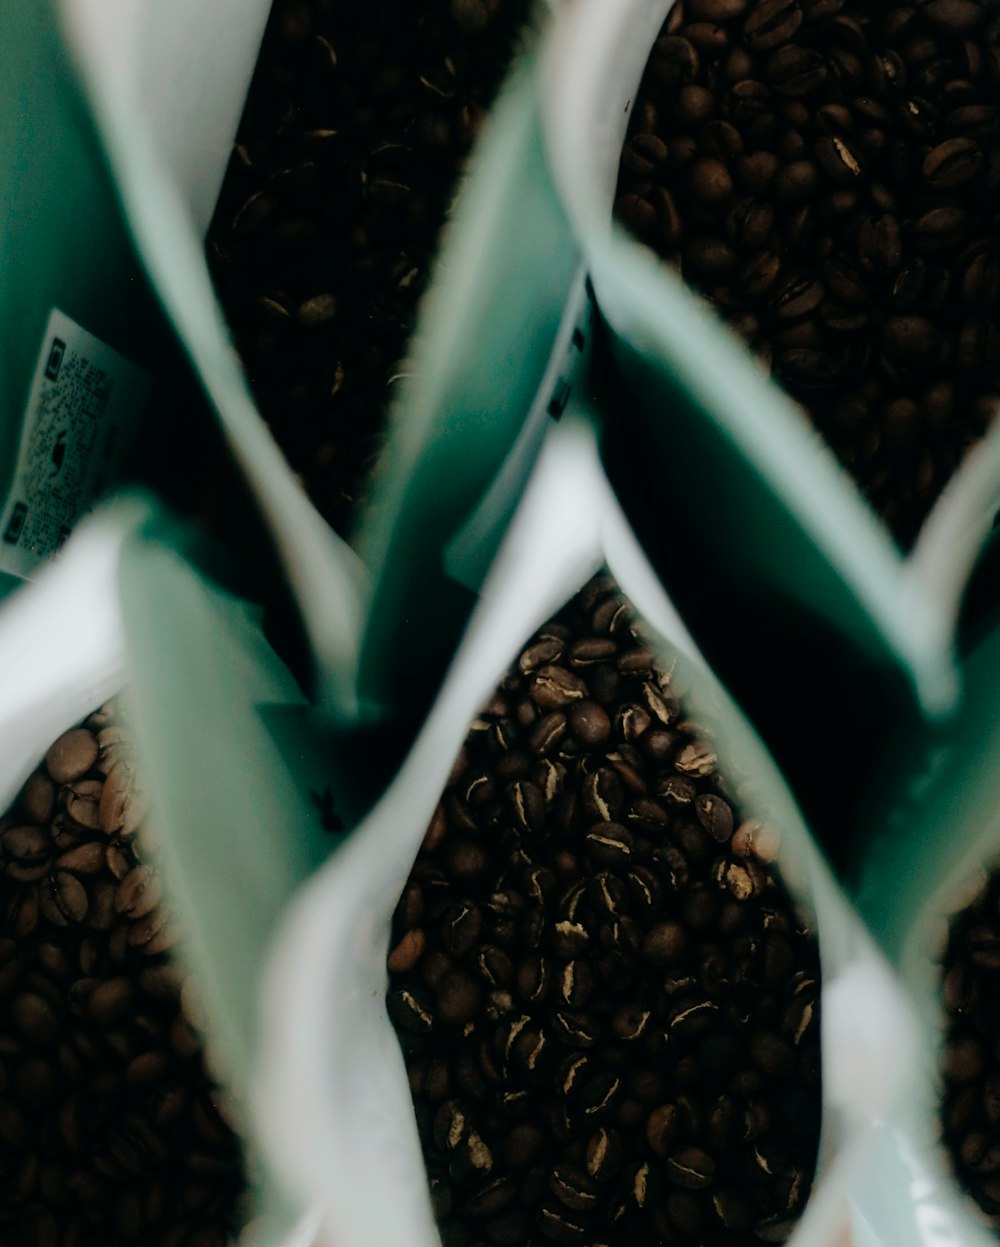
287, 923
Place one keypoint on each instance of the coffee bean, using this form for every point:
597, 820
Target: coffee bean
561, 1226
941, 228
978, 346
599, 919
111, 1001
690, 1168
960, 17
72, 755
899, 120
711, 183
771, 23
411, 1009
83, 799
589, 723
553, 687
138, 893
85, 859
63, 899
34, 1018
37, 799
795, 71
122, 806
952, 163
407, 953
981, 281
28, 851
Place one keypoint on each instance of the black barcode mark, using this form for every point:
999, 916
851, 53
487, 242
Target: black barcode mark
56, 352
15, 525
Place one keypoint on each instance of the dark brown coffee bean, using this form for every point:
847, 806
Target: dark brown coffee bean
610, 845
758, 274
458, 997
690, 1168
959, 17
708, 258
461, 926
588, 722
639, 214
560, 1226
794, 70
572, 1188
979, 347
749, 223
952, 163
838, 160
941, 228
34, 1018
575, 984
110, 1002
674, 61
553, 688
716, 11
535, 978
981, 280
798, 296
973, 120
411, 1010
407, 952
771, 23
711, 183
643, 154
575, 1029
548, 732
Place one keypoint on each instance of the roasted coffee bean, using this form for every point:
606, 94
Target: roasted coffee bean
344, 169
83, 801
122, 808
690, 1168
89, 1012
661, 1129
72, 755
837, 216
63, 899
407, 953
771, 23
27, 852
609, 972
970, 1105
952, 163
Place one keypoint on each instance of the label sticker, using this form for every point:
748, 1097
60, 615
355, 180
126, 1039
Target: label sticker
85, 400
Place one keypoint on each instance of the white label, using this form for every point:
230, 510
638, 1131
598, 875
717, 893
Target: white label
85, 399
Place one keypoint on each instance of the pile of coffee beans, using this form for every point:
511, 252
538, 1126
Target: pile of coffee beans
357, 124
110, 1129
825, 173
971, 1054
608, 1005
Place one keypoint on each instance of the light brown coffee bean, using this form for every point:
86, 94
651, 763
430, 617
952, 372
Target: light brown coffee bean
138, 893
72, 755
123, 805
83, 801
63, 899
